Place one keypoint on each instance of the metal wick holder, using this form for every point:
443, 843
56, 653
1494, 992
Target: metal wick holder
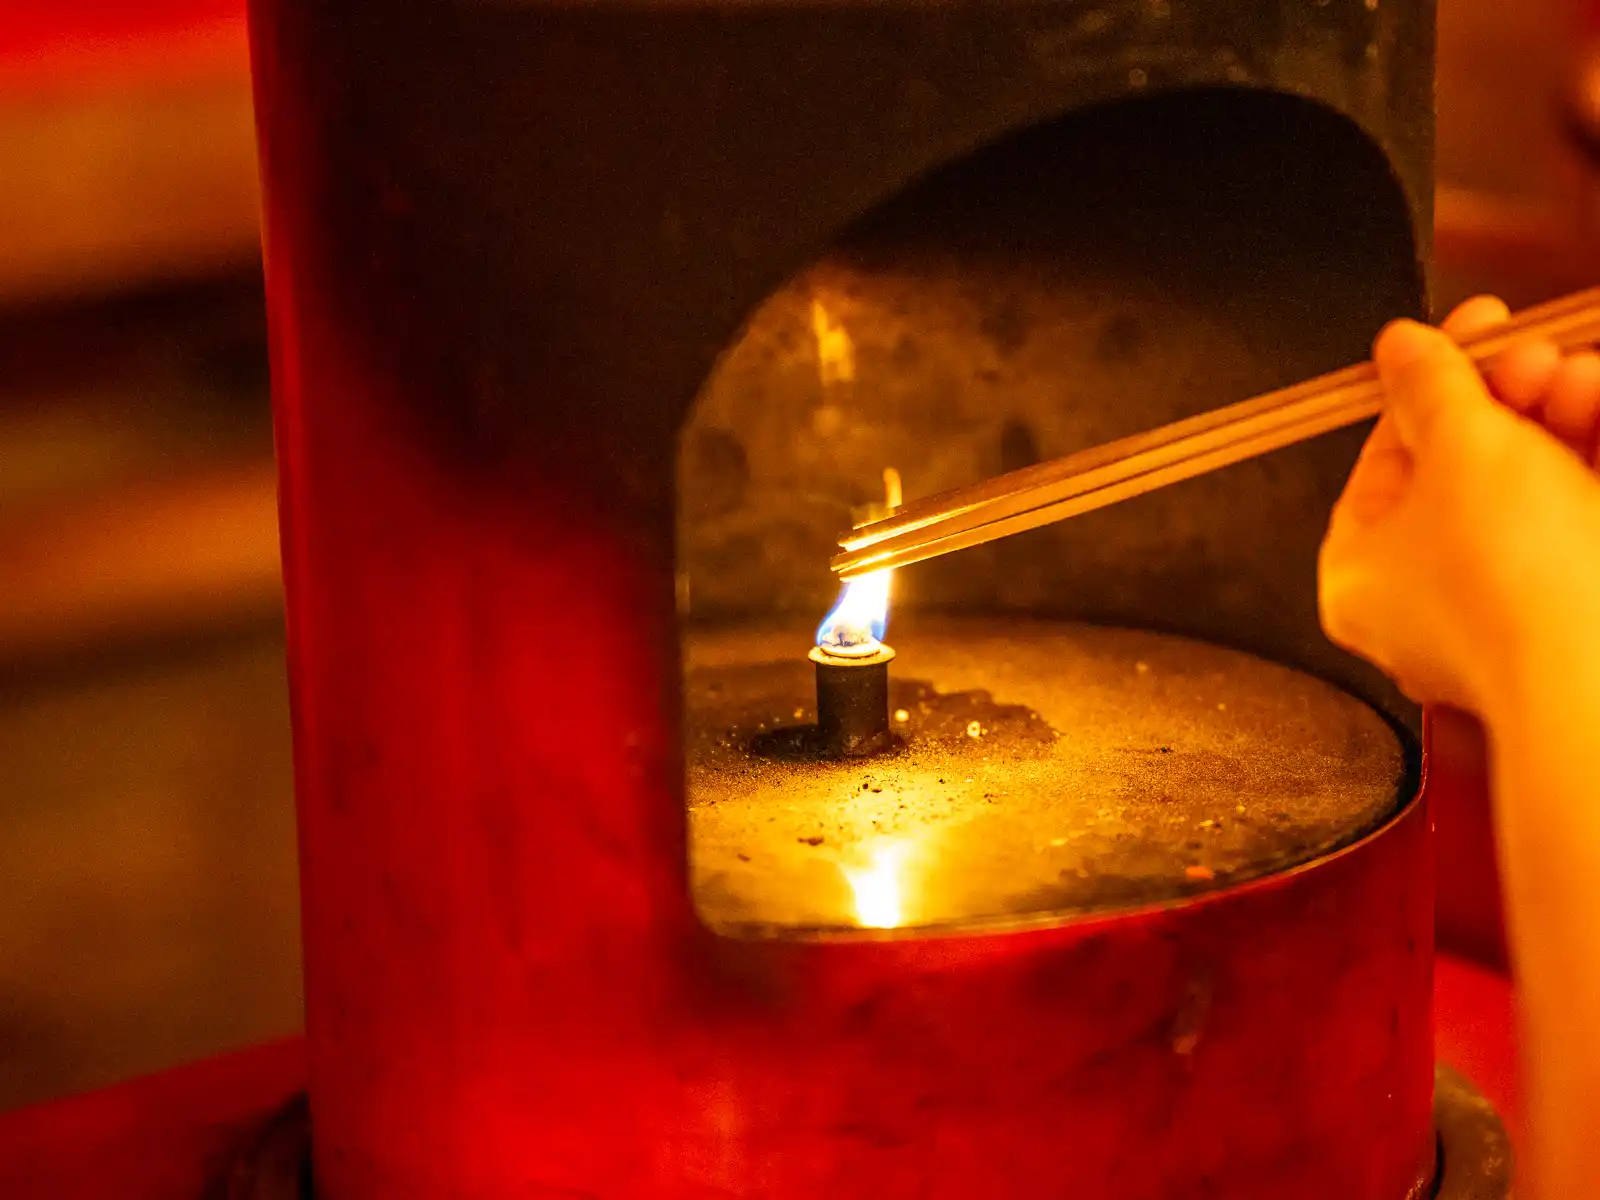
853, 701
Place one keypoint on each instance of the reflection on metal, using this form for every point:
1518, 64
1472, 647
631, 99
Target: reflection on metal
879, 887
1474, 1150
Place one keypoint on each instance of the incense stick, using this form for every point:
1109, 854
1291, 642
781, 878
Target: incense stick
1131, 466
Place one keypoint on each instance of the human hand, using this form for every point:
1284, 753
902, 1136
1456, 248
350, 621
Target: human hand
1473, 501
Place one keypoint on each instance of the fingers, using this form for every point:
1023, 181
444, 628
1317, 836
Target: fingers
1572, 404
1425, 376
1475, 316
1521, 376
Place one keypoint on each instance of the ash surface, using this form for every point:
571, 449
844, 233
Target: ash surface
1046, 768
940, 721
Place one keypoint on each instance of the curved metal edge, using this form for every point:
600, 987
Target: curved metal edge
1414, 808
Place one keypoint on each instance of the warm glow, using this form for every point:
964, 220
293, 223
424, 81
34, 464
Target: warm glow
836, 353
860, 617
855, 627
879, 904
858, 621
893, 495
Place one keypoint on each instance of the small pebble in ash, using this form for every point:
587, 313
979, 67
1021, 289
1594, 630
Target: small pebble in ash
810, 841
901, 714
1202, 874
974, 729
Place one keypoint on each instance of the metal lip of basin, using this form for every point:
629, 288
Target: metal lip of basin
1091, 922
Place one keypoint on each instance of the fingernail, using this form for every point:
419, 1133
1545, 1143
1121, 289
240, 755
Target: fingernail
1402, 343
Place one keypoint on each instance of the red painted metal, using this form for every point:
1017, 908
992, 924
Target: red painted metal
508, 994
1475, 1032
162, 1137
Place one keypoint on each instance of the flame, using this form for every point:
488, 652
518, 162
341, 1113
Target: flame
879, 903
893, 494
836, 353
855, 627
860, 617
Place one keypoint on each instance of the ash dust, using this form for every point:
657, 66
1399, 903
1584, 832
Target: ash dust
1111, 768
934, 723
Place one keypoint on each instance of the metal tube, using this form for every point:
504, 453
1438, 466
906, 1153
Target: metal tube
853, 702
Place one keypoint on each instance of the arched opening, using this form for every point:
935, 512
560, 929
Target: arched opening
1090, 278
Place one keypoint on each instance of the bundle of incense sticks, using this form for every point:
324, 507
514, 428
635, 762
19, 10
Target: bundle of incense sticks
1131, 466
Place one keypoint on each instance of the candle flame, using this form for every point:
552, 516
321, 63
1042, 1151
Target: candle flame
860, 617
879, 904
856, 626
893, 494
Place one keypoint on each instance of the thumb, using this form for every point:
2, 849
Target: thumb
1425, 376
